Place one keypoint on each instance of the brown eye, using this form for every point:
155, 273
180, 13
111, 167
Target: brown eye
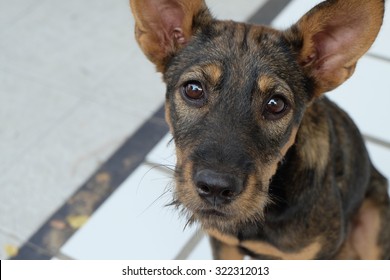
193, 90
194, 93
275, 107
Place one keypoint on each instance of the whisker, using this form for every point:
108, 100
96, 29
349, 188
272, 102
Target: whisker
153, 167
190, 221
171, 141
162, 167
154, 201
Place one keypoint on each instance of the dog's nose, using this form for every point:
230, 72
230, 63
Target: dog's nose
217, 188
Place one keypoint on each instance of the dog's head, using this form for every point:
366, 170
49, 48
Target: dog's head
236, 94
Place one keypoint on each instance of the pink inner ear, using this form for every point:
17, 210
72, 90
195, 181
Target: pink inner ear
334, 46
171, 17
335, 35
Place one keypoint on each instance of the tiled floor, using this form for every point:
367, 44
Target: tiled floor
74, 87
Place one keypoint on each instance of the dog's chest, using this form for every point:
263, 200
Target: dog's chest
266, 250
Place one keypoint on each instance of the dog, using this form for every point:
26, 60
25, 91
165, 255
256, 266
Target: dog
266, 164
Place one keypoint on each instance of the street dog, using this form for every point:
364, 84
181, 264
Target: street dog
266, 164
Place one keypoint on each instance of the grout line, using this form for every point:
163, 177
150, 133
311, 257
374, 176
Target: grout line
190, 245
377, 141
268, 12
14, 236
62, 256
378, 56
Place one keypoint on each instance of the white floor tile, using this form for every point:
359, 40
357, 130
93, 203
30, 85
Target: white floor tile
28, 111
366, 97
163, 153
382, 44
11, 11
46, 175
202, 251
293, 12
72, 43
380, 157
233, 10
133, 223
133, 86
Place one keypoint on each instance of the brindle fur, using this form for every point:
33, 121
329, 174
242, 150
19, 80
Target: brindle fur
310, 190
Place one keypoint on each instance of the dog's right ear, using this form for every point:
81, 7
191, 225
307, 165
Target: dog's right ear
163, 27
332, 37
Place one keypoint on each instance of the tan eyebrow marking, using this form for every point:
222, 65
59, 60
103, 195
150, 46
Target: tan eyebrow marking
265, 83
213, 72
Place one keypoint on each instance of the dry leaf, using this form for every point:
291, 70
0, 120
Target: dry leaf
77, 221
58, 224
11, 250
103, 178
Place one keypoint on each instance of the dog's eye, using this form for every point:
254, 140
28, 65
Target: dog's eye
275, 107
193, 90
194, 93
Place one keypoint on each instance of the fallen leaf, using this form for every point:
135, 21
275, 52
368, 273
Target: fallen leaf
58, 224
77, 221
103, 178
11, 250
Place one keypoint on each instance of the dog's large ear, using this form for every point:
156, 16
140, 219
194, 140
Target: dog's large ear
162, 27
333, 36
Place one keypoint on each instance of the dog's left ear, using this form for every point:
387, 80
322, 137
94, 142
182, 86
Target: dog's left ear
163, 27
332, 37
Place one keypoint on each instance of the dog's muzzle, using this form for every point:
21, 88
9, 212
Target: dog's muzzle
217, 188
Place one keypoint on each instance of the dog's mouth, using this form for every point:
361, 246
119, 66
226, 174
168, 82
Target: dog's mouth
222, 198
211, 213
230, 218
230, 215
224, 218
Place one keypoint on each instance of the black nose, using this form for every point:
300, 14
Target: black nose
217, 188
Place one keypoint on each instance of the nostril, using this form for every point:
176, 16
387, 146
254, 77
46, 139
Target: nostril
227, 194
216, 187
203, 189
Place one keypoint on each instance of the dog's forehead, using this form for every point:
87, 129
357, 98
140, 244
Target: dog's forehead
240, 63
239, 39
236, 50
